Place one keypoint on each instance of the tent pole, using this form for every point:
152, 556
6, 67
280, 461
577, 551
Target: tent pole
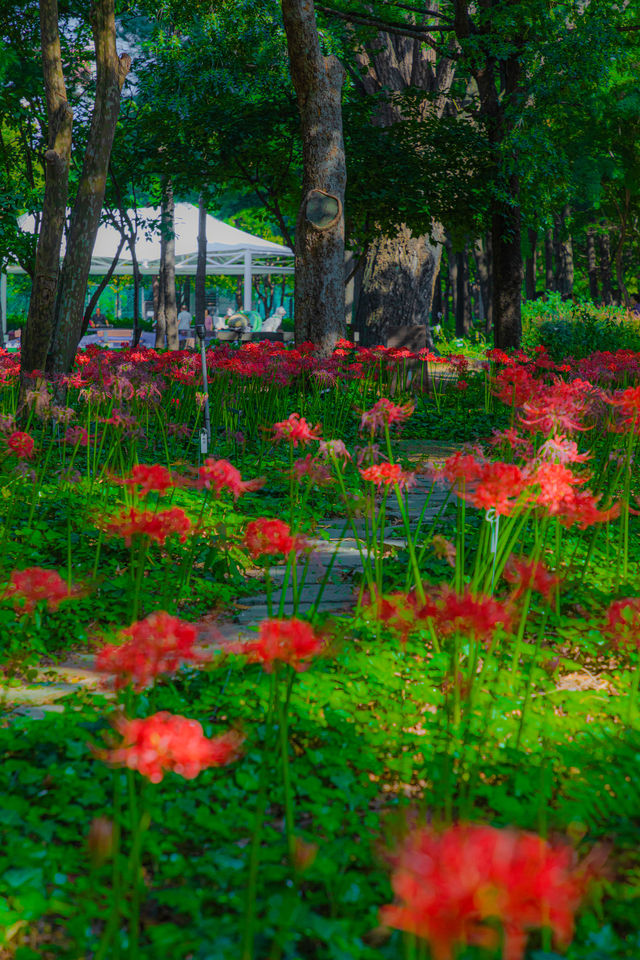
3, 308
247, 299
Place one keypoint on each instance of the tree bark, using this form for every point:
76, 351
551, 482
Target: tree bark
452, 262
201, 269
549, 272
564, 255
319, 245
111, 72
436, 303
592, 265
530, 269
41, 315
393, 64
604, 250
482, 255
169, 265
463, 299
397, 284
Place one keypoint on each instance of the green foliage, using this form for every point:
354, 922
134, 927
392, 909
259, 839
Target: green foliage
578, 329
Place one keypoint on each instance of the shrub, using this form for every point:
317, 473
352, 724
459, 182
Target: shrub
578, 329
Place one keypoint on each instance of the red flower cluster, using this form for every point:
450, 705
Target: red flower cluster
295, 430
266, 537
478, 616
530, 575
156, 526
622, 625
36, 584
386, 474
149, 477
158, 644
219, 475
452, 886
165, 743
385, 412
284, 641
21, 444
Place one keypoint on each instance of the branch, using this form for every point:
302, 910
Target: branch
420, 10
394, 29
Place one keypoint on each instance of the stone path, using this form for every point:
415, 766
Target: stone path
75, 674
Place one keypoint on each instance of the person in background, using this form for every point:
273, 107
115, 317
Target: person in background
208, 321
184, 321
98, 319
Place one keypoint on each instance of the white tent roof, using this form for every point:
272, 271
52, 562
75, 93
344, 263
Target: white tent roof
229, 251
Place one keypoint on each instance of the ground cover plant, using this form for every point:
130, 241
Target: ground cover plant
444, 769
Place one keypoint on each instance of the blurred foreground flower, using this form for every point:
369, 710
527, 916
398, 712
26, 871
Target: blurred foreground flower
165, 743
21, 444
158, 644
448, 886
219, 475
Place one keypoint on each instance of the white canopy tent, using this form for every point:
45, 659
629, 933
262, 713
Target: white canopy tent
230, 251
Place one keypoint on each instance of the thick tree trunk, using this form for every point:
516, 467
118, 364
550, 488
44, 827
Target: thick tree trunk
452, 264
604, 249
436, 303
169, 266
549, 272
85, 216
592, 265
507, 273
482, 255
41, 316
201, 269
397, 284
319, 246
530, 266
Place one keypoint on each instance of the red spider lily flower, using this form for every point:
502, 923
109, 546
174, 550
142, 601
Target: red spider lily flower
622, 624
559, 449
267, 537
334, 449
402, 613
36, 584
385, 412
284, 641
219, 475
581, 507
555, 482
479, 615
165, 743
514, 386
158, 644
76, 437
149, 477
458, 469
449, 885
498, 356
312, 468
386, 474
499, 486
628, 402
530, 575
462, 385
295, 430
21, 444
156, 526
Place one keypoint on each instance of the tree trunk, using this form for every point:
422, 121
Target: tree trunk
592, 265
482, 255
605, 268
201, 269
463, 306
41, 315
397, 284
111, 72
319, 246
135, 335
436, 303
565, 255
452, 262
549, 273
507, 271
530, 267
169, 265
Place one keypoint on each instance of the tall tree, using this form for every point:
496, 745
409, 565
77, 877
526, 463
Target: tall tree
319, 245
